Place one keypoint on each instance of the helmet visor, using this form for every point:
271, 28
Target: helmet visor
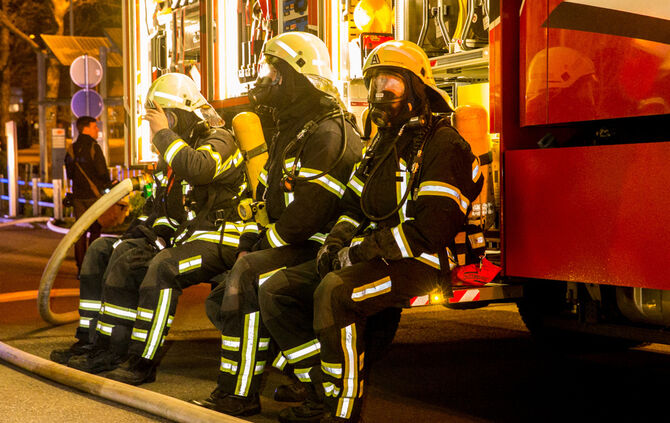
267, 70
386, 87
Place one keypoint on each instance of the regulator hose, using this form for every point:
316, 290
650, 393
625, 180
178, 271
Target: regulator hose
119, 191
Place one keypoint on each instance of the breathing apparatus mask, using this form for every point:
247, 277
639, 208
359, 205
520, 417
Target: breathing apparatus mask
391, 97
265, 95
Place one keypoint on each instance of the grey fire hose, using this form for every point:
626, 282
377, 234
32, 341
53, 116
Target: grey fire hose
119, 191
141, 399
132, 396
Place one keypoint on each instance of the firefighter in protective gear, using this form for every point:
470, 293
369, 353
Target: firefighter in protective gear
310, 159
203, 245
124, 263
106, 254
394, 240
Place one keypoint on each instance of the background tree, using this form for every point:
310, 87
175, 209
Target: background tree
18, 65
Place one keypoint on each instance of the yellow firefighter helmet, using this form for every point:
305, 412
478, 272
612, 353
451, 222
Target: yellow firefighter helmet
407, 55
307, 55
178, 91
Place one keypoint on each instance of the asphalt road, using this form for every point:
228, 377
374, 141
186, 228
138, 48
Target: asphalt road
444, 366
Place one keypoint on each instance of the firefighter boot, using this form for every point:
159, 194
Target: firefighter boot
99, 359
232, 405
134, 371
62, 356
312, 410
291, 392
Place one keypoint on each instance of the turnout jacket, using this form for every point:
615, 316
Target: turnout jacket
211, 168
448, 180
308, 212
164, 210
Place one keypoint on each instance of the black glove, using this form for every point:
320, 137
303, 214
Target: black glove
326, 259
156, 242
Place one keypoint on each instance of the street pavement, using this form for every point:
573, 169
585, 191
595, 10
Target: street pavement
460, 366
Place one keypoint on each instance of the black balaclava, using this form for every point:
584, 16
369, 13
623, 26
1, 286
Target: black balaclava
292, 95
182, 122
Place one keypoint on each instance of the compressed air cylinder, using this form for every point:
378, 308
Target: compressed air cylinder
471, 121
249, 134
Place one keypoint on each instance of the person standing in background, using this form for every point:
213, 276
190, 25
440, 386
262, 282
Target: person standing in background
85, 162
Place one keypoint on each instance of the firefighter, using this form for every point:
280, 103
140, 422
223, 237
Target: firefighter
394, 240
186, 135
124, 263
310, 160
106, 253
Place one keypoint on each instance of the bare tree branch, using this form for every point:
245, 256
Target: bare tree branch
4, 20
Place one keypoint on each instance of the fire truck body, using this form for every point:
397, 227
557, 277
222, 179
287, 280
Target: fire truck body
578, 96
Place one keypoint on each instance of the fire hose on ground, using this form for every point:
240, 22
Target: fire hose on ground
141, 399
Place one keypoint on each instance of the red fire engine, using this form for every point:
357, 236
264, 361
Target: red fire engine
576, 96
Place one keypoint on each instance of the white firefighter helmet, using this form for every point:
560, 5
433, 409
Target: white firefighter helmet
178, 91
409, 56
307, 55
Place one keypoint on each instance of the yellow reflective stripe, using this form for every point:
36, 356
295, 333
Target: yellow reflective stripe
442, 189
251, 227
228, 366
288, 198
263, 344
210, 236
279, 362
332, 369
350, 375
345, 218
230, 343
355, 241
248, 353
120, 312
85, 322
318, 237
263, 177
326, 181
476, 169
215, 156
330, 389
144, 314
260, 367
274, 238
89, 305
190, 263
308, 349
401, 241
303, 374
430, 259
173, 149
265, 276
163, 221
156, 333
401, 186
452, 260
139, 335
370, 290
104, 328
356, 185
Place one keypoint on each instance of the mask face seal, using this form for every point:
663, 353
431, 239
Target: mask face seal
265, 90
387, 96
